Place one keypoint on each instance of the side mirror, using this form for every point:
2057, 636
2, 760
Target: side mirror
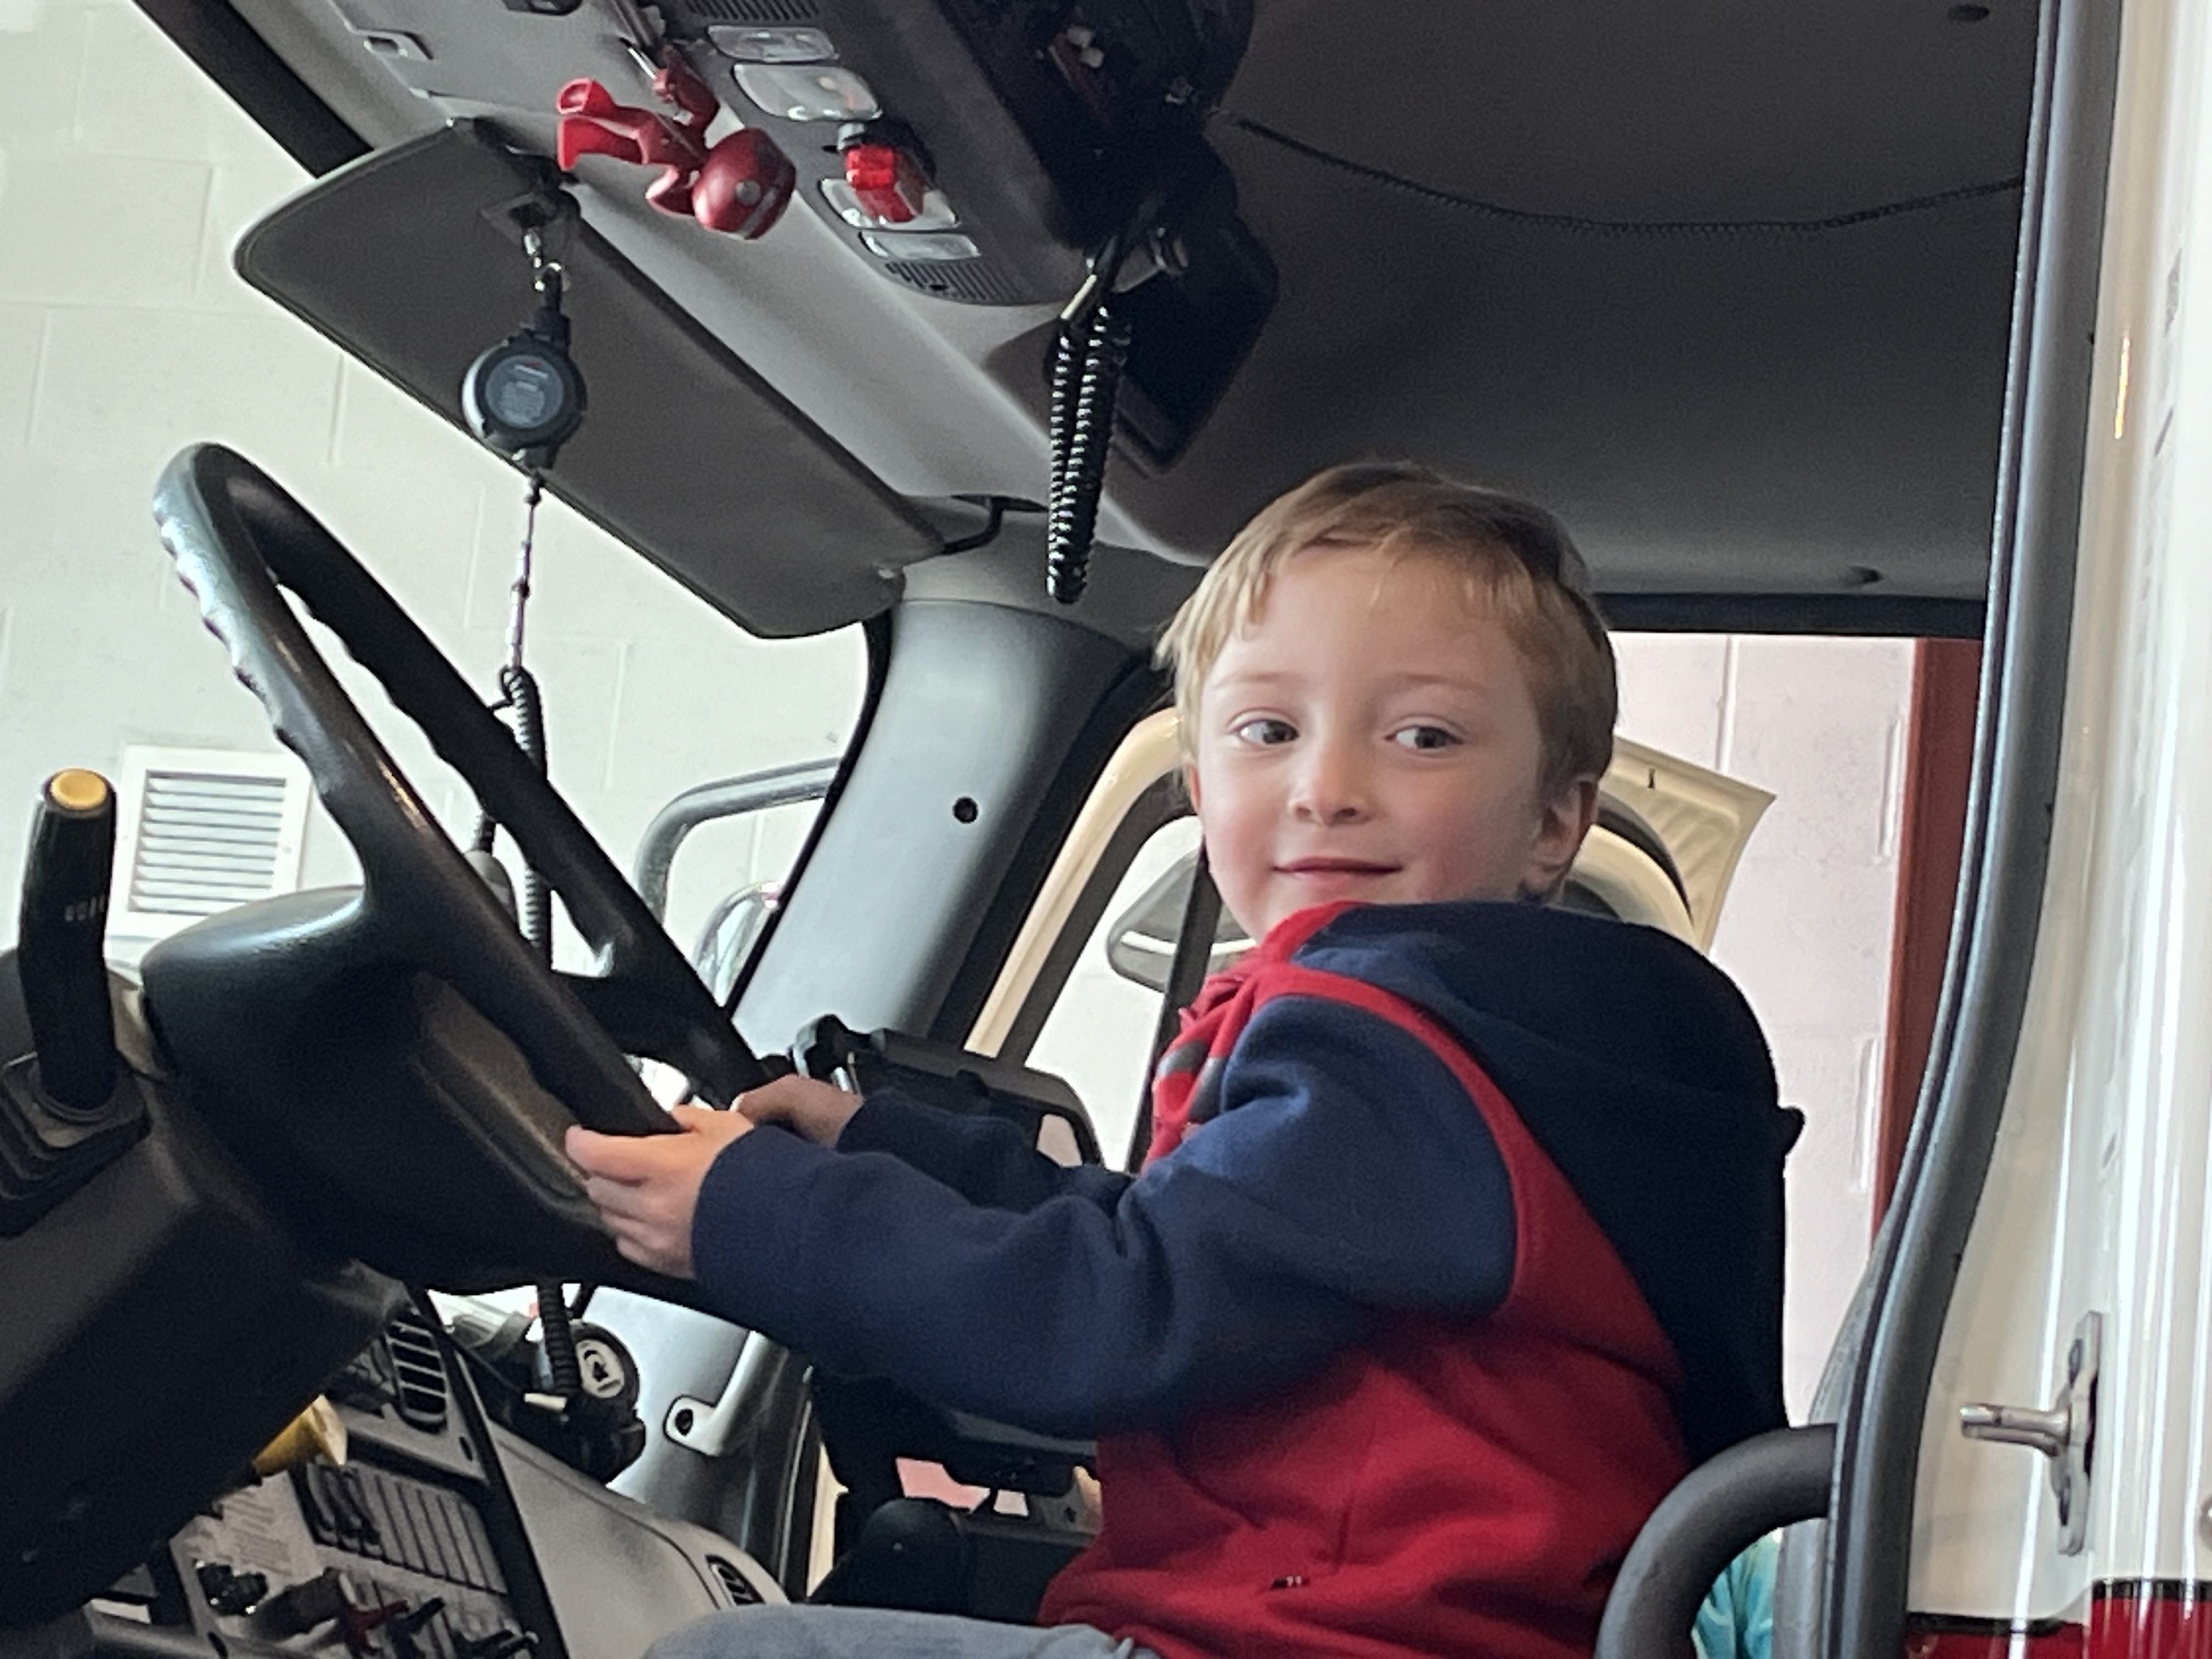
731, 930
1140, 945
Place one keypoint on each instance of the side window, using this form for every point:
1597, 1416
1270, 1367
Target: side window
764, 816
647, 688
1099, 1031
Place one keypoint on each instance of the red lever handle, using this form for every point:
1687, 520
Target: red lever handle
740, 186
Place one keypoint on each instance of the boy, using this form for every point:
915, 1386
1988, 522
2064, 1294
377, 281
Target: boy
1461, 1240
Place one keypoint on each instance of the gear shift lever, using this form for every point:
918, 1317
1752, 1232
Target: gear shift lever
59, 943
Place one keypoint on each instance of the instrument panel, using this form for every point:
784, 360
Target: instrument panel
441, 1536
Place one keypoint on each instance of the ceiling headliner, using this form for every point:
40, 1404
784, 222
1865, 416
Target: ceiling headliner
1725, 283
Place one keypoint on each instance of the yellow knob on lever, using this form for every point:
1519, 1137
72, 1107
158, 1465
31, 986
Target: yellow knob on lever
317, 1433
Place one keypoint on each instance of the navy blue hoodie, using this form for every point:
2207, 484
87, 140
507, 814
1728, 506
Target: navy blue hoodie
1414, 1150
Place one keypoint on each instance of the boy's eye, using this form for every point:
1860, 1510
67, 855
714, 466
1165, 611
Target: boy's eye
1423, 737
1266, 731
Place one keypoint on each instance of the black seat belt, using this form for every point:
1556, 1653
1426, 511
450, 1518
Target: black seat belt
1193, 950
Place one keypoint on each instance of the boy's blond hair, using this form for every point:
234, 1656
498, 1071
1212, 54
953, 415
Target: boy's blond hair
1512, 556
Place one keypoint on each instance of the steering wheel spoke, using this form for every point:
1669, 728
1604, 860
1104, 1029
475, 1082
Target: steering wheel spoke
640, 1022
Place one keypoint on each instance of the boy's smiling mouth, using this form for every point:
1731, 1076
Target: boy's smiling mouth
1335, 867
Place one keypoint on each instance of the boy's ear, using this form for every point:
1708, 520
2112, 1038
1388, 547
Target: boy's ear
1566, 820
1190, 783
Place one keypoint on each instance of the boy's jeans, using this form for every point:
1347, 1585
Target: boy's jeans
804, 1633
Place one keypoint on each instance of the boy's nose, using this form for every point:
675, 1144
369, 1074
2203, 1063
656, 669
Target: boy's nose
1331, 788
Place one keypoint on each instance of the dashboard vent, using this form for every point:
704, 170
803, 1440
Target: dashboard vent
366, 1383
419, 1373
971, 282
755, 11
735, 1585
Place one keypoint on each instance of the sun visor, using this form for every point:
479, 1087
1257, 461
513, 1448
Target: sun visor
410, 260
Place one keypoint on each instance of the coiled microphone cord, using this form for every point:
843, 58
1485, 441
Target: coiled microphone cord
1087, 382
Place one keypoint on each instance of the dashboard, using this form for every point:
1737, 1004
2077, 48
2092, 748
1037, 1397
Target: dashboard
442, 1535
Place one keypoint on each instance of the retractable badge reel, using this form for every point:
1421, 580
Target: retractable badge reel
524, 396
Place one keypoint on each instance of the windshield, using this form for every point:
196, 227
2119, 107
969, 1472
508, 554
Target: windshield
124, 336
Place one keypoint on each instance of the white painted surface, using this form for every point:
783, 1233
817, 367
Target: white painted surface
2098, 1196
1805, 931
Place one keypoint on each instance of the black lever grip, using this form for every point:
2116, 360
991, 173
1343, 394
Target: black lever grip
60, 943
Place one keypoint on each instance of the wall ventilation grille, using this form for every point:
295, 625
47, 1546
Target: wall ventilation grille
201, 831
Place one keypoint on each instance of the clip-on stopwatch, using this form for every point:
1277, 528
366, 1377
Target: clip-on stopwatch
524, 396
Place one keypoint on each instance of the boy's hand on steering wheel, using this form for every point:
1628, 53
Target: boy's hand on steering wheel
647, 1187
818, 1111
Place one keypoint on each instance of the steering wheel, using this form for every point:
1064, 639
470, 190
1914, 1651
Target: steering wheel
237, 538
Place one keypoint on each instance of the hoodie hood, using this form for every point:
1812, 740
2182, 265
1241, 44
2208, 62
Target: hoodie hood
1640, 1071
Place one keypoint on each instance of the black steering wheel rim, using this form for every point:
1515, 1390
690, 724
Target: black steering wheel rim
237, 539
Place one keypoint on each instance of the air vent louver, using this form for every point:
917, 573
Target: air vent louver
754, 11
739, 1589
205, 843
419, 1372
971, 282
201, 831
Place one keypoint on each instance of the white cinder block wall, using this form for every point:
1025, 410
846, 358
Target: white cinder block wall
1805, 931
124, 180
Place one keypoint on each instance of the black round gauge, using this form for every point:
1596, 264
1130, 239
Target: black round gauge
523, 397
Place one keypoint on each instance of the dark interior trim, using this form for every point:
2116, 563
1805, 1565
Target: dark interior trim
1895, 615
940, 842
228, 52
1137, 691
1721, 1508
2024, 676
1869, 214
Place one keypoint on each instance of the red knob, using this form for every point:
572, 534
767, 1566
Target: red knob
888, 182
745, 186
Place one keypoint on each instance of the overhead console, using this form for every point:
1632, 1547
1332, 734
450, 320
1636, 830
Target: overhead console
1007, 137
992, 154
975, 153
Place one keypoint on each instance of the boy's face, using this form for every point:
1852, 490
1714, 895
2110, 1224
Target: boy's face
1372, 736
